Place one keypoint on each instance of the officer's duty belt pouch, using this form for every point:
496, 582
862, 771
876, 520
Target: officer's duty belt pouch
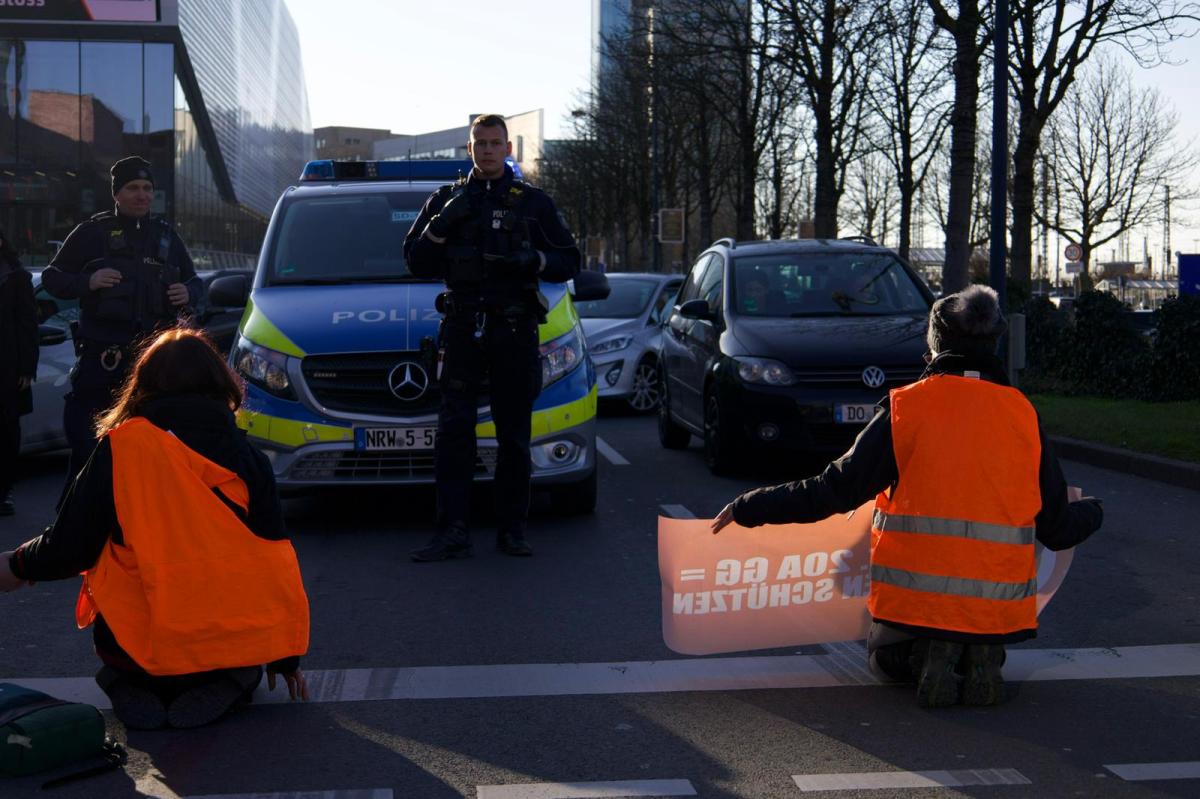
39, 732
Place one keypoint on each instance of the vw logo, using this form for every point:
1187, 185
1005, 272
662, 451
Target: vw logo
408, 381
873, 377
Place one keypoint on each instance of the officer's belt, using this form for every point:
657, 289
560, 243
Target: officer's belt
454, 303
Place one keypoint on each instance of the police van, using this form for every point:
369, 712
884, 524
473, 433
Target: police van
338, 343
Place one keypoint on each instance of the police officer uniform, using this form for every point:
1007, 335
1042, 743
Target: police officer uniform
112, 321
491, 240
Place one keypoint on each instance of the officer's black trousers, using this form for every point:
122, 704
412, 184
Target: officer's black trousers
507, 357
92, 391
10, 448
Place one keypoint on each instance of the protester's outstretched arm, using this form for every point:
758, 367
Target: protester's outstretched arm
867, 468
1062, 524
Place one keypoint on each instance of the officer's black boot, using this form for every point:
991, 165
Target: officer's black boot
6, 503
512, 542
453, 542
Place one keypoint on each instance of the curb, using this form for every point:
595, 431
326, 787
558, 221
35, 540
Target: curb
1153, 467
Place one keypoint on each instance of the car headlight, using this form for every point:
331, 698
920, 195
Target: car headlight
561, 355
610, 345
764, 371
265, 368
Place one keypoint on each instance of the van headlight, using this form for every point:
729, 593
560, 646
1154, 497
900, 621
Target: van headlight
561, 355
764, 371
265, 368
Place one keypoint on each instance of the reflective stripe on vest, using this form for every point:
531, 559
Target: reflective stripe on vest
192, 589
952, 546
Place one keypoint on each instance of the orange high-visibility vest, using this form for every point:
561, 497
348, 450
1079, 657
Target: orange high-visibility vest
952, 547
193, 588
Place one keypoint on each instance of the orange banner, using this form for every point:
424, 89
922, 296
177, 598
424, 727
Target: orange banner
778, 585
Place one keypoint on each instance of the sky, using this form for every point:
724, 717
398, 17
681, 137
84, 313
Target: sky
418, 66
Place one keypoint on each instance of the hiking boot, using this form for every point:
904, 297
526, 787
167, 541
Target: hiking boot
938, 685
136, 707
7, 508
891, 663
512, 542
453, 542
983, 684
206, 703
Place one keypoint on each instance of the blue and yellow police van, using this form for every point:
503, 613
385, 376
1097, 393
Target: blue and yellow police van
338, 343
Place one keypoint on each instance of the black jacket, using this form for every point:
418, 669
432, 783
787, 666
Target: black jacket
869, 467
68, 274
18, 336
548, 234
88, 517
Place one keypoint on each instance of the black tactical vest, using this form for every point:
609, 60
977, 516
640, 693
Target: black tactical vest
138, 304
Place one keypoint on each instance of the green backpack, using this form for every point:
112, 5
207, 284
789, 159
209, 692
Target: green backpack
39, 732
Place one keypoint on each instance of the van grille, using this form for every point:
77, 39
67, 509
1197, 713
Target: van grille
358, 383
851, 377
399, 467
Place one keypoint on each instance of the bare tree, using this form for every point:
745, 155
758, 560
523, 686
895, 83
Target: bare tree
1051, 39
829, 46
872, 197
1113, 149
970, 41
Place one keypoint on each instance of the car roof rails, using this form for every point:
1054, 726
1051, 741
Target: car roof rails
862, 239
728, 241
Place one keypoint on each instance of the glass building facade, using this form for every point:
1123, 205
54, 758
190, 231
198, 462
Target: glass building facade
212, 94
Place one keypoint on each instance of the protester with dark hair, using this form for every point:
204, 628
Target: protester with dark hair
186, 604
18, 363
964, 481
132, 276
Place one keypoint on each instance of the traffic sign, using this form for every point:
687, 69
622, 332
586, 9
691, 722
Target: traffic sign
670, 225
1074, 267
1073, 252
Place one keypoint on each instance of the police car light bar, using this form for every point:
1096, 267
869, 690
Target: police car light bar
385, 170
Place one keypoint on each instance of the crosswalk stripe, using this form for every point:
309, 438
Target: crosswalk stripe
1136, 772
666, 676
877, 780
610, 454
368, 793
587, 790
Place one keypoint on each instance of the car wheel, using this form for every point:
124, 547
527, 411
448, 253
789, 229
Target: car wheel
646, 387
670, 434
721, 447
575, 499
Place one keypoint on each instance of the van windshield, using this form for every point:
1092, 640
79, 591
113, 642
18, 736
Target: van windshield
344, 239
824, 284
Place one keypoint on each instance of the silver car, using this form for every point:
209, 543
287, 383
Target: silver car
623, 332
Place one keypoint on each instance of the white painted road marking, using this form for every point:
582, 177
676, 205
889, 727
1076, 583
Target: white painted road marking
609, 453
677, 512
369, 793
872, 780
666, 676
1134, 772
587, 790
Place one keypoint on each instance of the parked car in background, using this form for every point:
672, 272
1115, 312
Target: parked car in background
42, 430
623, 332
787, 346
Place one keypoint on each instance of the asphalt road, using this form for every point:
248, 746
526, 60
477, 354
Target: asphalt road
400, 716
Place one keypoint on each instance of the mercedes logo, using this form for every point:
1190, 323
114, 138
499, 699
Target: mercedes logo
873, 377
408, 381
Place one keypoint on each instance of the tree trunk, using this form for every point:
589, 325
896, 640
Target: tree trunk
1022, 199
963, 130
825, 200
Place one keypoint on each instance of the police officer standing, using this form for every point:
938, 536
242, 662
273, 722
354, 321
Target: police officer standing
491, 237
132, 276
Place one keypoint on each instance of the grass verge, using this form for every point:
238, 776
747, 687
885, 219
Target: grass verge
1171, 429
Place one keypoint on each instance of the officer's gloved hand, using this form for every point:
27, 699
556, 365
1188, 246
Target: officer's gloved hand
526, 261
456, 209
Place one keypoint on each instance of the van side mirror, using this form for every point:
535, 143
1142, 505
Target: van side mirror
695, 309
231, 291
49, 335
588, 286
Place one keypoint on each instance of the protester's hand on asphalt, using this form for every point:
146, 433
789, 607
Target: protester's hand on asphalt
296, 684
177, 293
8, 580
104, 279
724, 518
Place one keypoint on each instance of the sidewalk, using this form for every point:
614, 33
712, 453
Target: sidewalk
1153, 467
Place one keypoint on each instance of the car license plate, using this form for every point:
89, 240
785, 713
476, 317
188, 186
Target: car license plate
385, 438
854, 414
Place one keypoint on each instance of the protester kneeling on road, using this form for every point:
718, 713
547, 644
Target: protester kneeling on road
964, 481
188, 576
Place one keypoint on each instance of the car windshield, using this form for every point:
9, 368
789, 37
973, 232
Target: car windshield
824, 284
627, 298
344, 239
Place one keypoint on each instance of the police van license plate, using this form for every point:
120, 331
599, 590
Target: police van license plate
385, 438
854, 414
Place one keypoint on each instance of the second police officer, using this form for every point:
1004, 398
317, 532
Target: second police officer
132, 276
491, 237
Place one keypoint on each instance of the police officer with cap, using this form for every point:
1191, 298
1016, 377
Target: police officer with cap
491, 237
132, 276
